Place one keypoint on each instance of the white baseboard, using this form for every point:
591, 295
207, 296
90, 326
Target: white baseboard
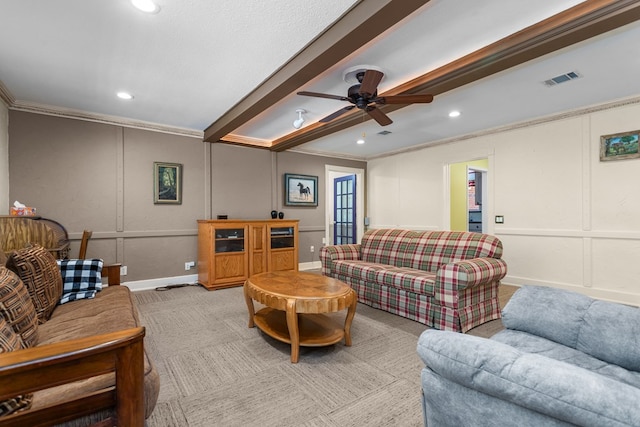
144, 285
313, 265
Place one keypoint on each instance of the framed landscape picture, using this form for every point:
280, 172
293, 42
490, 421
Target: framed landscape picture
167, 183
300, 190
619, 146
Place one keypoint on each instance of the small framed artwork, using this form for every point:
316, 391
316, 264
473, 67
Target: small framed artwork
167, 183
619, 146
300, 190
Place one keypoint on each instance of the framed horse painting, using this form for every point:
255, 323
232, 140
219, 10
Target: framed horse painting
300, 190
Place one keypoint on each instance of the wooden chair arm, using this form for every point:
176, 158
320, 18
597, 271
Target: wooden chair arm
112, 272
50, 365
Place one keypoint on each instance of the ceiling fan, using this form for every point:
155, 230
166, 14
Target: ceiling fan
365, 94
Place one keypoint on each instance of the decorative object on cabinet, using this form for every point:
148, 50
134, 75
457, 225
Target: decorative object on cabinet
274, 214
300, 190
281, 215
230, 251
619, 146
167, 183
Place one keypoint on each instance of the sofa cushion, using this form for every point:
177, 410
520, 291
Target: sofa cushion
38, 270
81, 278
386, 246
529, 343
10, 341
17, 308
431, 249
605, 330
359, 270
409, 279
112, 309
549, 386
611, 332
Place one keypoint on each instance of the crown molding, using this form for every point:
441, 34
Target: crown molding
69, 113
514, 126
6, 96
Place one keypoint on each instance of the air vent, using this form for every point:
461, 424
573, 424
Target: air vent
562, 78
384, 132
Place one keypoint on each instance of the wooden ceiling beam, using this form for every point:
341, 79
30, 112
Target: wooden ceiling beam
586, 20
362, 23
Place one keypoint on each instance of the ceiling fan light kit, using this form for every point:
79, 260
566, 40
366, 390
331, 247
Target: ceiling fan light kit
364, 95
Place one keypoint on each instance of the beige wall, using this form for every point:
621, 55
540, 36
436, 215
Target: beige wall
98, 176
570, 220
4, 159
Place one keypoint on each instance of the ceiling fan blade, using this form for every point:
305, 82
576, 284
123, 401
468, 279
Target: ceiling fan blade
337, 114
379, 116
370, 82
404, 99
324, 95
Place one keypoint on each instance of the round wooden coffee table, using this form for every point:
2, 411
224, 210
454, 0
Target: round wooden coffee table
295, 306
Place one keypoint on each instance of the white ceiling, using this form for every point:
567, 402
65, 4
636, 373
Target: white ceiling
194, 60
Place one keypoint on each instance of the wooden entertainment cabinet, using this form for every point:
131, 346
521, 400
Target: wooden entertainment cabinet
229, 251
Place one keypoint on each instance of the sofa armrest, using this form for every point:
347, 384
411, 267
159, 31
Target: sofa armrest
459, 275
50, 365
331, 253
548, 386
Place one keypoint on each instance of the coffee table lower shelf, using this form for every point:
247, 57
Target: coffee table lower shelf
315, 330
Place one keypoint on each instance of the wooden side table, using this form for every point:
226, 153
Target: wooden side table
296, 306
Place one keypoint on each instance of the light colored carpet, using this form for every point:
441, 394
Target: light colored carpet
215, 371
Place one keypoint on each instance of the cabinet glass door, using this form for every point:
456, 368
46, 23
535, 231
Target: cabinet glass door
229, 240
282, 237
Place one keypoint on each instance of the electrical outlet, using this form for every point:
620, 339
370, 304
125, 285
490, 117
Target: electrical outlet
312, 249
123, 270
499, 219
188, 265
324, 240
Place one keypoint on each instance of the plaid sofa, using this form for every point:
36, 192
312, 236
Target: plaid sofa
445, 279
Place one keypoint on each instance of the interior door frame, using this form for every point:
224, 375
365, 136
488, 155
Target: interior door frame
332, 172
488, 188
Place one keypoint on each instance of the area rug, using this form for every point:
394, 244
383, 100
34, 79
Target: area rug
215, 371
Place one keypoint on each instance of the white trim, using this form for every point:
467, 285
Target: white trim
313, 265
192, 279
592, 291
145, 285
549, 232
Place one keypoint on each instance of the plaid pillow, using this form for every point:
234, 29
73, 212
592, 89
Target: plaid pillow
81, 278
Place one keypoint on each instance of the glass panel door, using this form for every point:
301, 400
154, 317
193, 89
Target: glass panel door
344, 213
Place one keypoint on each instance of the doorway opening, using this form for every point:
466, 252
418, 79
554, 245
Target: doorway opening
476, 200
469, 198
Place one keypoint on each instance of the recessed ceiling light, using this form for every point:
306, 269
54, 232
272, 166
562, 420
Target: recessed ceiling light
147, 6
124, 95
454, 113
